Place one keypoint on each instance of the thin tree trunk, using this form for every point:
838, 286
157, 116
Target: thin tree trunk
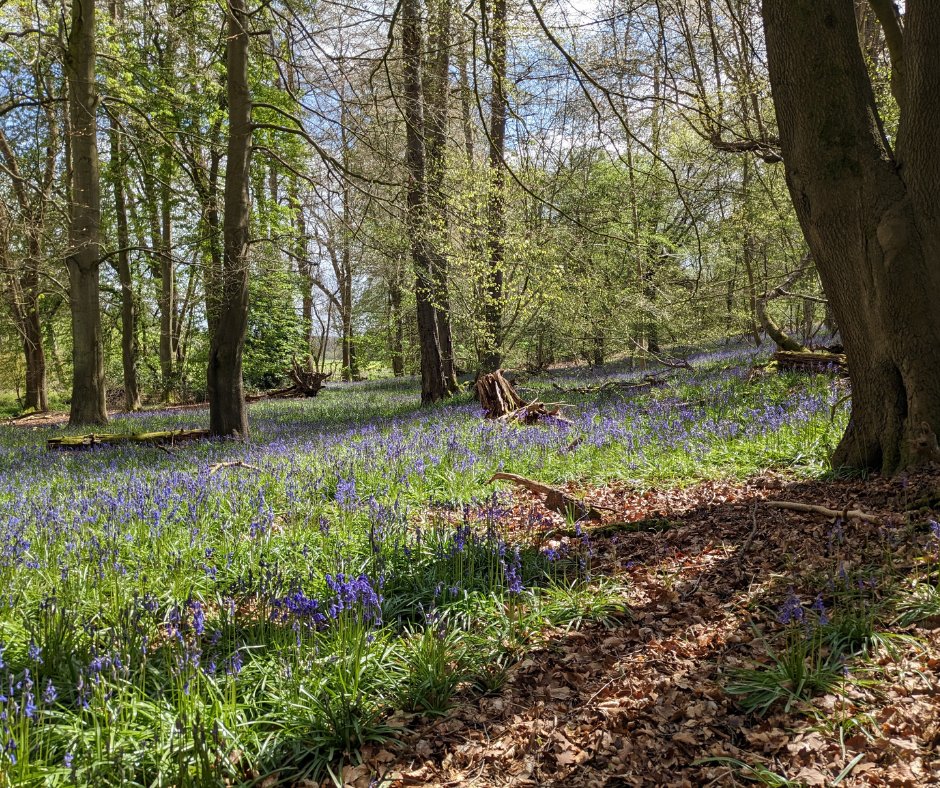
303, 268
437, 91
228, 413
496, 219
123, 266
397, 325
167, 284
24, 288
597, 349
84, 255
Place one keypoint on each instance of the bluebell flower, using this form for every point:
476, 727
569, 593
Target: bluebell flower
791, 610
820, 609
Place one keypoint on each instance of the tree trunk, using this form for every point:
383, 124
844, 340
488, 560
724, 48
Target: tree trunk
496, 219
597, 349
35, 364
437, 90
872, 218
84, 255
228, 413
433, 385
23, 288
167, 285
397, 325
350, 367
123, 264
303, 268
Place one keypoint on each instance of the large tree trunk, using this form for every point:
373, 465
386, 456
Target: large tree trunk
872, 218
496, 218
228, 414
433, 385
84, 255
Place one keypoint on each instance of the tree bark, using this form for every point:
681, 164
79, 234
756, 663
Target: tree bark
168, 299
433, 385
437, 91
496, 218
23, 281
871, 217
228, 414
397, 324
84, 255
118, 168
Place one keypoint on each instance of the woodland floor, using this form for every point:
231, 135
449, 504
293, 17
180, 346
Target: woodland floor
637, 702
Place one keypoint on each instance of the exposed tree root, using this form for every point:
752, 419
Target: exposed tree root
555, 499
848, 514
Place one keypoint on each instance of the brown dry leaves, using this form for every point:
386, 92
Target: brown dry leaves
639, 704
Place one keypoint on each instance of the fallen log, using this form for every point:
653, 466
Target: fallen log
233, 464
555, 499
808, 361
163, 439
649, 381
535, 410
307, 383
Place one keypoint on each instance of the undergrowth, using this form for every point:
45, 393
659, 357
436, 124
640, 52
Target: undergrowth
164, 623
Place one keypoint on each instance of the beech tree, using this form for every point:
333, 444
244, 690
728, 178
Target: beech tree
434, 384
228, 413
869, 206
496, 219
84, 255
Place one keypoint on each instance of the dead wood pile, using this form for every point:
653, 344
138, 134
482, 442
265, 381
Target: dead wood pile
307, 382
501, 401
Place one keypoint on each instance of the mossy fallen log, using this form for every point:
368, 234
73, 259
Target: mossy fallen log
808, 361
165, 438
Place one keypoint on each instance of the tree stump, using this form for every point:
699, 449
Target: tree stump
307, 381
497, 395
